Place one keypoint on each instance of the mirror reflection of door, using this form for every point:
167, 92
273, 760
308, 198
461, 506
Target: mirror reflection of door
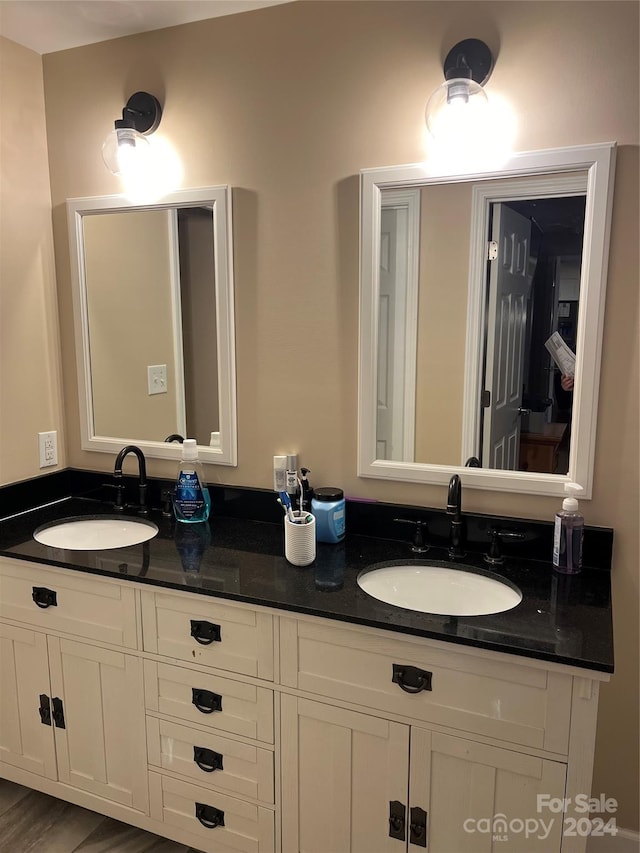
199, 321
509, 292
527, 424
398, 293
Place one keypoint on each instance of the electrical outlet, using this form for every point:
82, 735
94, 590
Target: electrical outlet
157, 378
48, 447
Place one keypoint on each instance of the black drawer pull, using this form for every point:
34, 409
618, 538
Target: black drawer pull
45, 710
205, 632
397, 817
418, 827
44, 597
207, 759
206, 701
58, 713
411, 679
209, 816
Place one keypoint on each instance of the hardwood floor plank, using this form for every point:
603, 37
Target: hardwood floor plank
38, 823
111, 836
32, 822
10, 794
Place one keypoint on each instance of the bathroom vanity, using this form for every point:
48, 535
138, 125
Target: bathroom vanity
211, 693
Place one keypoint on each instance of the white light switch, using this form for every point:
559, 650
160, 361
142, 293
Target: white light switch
157, 378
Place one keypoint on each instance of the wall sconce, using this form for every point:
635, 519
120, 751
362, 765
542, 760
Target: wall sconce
126, 147
466, 131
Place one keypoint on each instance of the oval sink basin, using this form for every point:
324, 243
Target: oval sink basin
95, 533
436, 587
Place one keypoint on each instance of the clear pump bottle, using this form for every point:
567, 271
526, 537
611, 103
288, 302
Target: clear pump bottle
191, 502
568, 534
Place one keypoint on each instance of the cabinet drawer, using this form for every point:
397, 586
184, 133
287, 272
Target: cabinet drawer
209, 700
508, 701
226, 824
71, 602
211, 759
236, 638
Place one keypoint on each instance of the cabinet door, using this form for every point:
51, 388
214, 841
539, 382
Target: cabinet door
340, 772
481, 798
26, 740
102, 747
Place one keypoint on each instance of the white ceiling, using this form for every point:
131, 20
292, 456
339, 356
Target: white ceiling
49, 25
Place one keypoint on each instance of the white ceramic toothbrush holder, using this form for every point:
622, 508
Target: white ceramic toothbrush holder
300, 539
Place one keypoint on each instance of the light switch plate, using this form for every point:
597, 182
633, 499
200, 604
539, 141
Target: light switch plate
157, 378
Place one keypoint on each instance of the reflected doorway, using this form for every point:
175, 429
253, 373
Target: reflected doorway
533, 290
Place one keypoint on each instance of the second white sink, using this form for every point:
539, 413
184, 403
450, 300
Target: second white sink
438, 588
95, 533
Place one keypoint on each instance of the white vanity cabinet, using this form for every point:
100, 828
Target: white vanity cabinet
398, 743
232, 727
71, 707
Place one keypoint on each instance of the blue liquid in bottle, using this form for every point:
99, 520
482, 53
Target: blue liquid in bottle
191, 502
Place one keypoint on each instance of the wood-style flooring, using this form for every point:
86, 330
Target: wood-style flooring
31, 822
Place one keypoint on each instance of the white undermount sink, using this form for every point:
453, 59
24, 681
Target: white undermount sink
95, 533
438, 588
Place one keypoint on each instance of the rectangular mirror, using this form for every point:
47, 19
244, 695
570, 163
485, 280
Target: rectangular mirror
154, 321
464, 279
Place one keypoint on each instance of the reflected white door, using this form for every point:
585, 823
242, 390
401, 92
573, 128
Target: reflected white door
509, 288
397, 324
391, 314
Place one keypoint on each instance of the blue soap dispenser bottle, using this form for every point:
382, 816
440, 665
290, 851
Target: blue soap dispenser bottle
568, 534
191, 502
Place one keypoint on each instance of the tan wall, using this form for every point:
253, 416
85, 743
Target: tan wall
30, 372
445, 226
287, 104
129, 306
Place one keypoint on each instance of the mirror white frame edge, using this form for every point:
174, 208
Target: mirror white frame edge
598, 161
220, 197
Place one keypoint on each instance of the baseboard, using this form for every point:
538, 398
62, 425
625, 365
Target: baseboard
625, 841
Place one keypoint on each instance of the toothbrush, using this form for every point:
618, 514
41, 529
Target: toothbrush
301, 493
285, 500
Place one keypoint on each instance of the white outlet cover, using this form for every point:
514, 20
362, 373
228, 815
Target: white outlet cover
48, 448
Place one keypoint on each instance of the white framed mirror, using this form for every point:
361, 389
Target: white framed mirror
154, 323
463, 280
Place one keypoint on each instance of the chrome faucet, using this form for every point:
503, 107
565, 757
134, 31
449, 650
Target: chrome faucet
142, 479
454, 509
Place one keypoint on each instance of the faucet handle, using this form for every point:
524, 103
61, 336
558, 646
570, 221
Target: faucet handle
419, 545
495, 556
167, 500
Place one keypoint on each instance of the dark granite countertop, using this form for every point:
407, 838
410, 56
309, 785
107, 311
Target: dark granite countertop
565, 620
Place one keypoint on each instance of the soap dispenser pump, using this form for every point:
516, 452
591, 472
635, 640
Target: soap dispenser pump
568, 533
